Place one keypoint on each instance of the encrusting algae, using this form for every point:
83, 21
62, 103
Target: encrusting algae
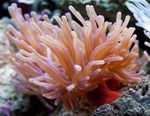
71, 61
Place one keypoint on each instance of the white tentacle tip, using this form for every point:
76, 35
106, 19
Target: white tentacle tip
77, 67
70, 87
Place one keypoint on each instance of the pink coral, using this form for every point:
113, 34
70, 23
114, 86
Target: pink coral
69, 61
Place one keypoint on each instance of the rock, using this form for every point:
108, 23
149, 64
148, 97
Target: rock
145, 102
105, 110
135, 101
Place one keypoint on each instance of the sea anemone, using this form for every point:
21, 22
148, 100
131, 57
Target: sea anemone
145, 52
71, 61
140, 10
